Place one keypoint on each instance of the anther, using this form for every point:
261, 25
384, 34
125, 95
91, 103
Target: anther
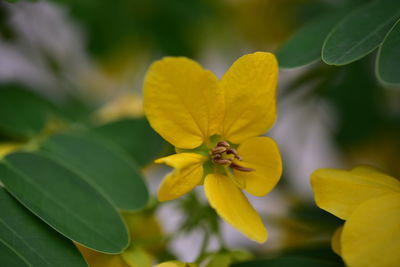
218, 150
240, 168
234, 152
223, 144
221, 161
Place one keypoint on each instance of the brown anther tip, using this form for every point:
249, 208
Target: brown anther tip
234, 152
221, 161
223, 144
217, 156
218, 150
240, 168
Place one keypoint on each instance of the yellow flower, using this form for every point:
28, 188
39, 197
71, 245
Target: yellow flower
6, 148
126, 105
214, 126
369, 202
176, 264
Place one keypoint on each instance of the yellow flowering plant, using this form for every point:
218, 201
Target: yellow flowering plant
369, 202
215, 126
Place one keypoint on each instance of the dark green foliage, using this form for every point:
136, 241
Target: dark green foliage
65, 201
23, 114
348, 38
27, 241
305, 46
360, 32
111, 172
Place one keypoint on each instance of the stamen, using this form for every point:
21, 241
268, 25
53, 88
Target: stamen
240, 168
218, 150
224, 144
234, 152
222, 161
218, 158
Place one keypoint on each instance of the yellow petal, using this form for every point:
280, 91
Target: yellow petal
371, 235
182, 102
340, 192
262, 155
376, 174
232, 205
249, 88
336, 241
187, 174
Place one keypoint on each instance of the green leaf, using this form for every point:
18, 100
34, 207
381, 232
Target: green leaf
64, 201
287, 262
135, 136
388, 60
9, 257
360, 32
22, 113
109, 170
30, 242
305, 45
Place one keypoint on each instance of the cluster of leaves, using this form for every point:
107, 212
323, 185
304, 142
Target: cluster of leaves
348, 33
68, 182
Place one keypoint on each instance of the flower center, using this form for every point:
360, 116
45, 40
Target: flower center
223, 154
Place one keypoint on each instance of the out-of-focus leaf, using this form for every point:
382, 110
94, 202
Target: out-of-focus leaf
318, 251
305, 46
313, 216
64, 201
109, 170
22, 113
32, 242
287, 262
360, 32
135, 136
357, 102
388, 61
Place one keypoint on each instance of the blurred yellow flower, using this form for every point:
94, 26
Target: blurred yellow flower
123, 106
369, 202
146, 241
6, 148
176, 264
214, 126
